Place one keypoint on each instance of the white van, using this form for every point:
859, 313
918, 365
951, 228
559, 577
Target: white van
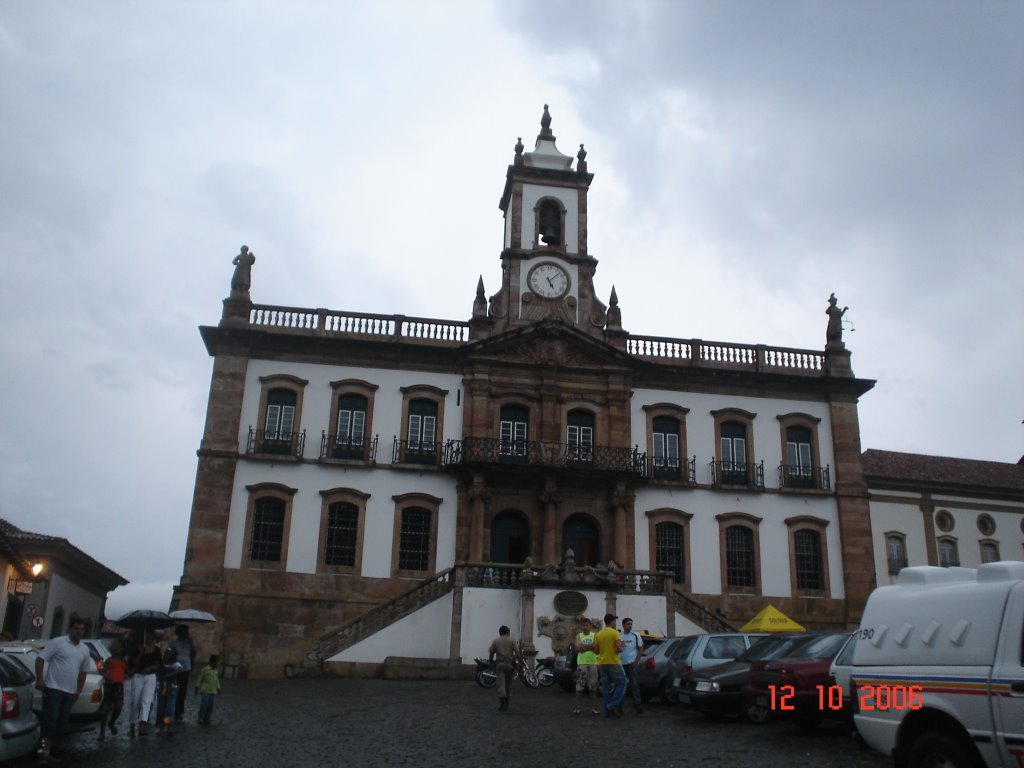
938, 670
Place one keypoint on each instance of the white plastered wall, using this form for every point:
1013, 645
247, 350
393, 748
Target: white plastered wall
704, 505
310, 478
424, 634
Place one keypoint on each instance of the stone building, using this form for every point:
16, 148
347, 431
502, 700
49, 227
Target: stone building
937, 510
358, 470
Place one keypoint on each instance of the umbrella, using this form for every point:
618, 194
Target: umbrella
145, 620
191, 614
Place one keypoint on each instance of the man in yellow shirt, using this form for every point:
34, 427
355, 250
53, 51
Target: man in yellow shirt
609, 667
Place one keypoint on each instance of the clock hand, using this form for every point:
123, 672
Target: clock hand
550, 283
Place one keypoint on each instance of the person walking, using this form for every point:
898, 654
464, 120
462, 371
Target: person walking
114, 671
66, 660
186, 653
632, 650
144, 686
208, 688
609, 667
586, 666
504, 651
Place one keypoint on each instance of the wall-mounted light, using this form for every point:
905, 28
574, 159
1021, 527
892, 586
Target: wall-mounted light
37, 568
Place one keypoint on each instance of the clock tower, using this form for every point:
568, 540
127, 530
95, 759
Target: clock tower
546, 270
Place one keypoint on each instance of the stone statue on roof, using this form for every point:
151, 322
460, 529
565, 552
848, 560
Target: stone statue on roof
242, 277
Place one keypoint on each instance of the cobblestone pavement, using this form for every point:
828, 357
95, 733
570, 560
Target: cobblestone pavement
370, 723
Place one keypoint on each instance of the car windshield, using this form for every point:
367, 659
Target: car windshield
825, 647
765, 648
683, 647
13, 672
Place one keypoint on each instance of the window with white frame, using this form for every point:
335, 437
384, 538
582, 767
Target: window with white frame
422, 424
351, 420
665, 445
948, 553
512, 434
579, 435
896, 552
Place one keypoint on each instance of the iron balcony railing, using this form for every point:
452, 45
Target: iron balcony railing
415, 452
681, 470
264, 441
342, 447
738, 474
489, 450
794, 476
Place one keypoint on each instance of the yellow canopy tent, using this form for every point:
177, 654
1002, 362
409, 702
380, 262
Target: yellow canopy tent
771, 619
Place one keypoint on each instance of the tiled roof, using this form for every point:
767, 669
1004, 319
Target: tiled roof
944, 470
14, 532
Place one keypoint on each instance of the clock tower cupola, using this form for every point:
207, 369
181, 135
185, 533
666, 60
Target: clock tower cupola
547, 272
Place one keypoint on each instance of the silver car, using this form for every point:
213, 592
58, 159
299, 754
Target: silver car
19, 725
86, 707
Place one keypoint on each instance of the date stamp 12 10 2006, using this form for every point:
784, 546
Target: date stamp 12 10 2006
830, 697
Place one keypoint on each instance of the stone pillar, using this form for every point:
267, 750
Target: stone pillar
202, 580
478, 498
858, 560
550, 499
931, 546
526, 630
620, 501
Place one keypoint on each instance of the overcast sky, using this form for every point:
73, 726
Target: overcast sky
749, 159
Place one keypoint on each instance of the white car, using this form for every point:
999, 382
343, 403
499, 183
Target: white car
87, 706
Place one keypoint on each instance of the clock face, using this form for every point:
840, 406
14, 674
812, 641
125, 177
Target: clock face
548, 280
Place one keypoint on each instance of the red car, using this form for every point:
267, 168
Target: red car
798, 686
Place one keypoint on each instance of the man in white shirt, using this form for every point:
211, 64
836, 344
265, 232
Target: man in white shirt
632, 650
67, 661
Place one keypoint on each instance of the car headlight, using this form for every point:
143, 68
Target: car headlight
707, 686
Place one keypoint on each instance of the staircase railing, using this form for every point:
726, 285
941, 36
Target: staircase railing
380, 616
712, 622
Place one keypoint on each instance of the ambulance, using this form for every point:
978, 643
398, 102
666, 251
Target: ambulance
938, 669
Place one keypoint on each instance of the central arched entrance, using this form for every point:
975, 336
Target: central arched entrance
510, 537
581, 534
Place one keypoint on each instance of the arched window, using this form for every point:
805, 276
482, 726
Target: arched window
734, 452
896, 552
422, 431
739, 556
798, 471
665, 445
579, 436
989, 552
267, 532
513, 433
510, 538
580, 534
949, 554
807, 553
549, 223
414, 543
670, 550
351, 427
341, 534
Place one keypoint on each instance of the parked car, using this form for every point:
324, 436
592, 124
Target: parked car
795, 686
85, 708
708, 650
19, 725
653, 673
716, 690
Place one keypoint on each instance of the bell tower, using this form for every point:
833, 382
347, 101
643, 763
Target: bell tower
546, 270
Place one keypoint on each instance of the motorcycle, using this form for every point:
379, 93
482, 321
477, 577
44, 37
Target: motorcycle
487, 676
545, 672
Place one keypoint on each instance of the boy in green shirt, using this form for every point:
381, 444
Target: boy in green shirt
586, 669
208, 686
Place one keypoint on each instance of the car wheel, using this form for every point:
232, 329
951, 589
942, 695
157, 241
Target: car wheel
755, 713
665, 693
937, 750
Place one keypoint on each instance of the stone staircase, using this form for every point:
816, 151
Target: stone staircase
380, 616
697, 613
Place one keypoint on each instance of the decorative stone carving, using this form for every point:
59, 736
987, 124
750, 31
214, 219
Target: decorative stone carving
834, 329
241, 280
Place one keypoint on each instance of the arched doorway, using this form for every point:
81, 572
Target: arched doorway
510, 538
581, 534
